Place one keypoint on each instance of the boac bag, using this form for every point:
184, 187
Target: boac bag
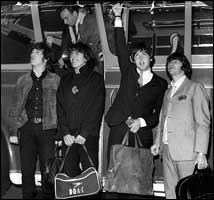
87, 183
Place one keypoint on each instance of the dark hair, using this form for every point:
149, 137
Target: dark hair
76, 8
87, 52
142, 46
70, 8
186, 67
47, 51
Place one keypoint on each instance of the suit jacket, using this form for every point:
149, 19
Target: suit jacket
188, 121
88, 32
133, 100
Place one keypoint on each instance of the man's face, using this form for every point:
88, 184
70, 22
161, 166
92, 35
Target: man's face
174, 67
37, 57
142, 60
68, 17
77, 59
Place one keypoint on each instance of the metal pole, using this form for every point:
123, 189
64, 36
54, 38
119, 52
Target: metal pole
36, 21
188, 31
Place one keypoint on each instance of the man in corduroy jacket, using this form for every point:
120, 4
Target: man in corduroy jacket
33, 119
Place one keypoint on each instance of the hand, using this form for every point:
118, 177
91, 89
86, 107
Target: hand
135, 126
58, 142
69, 139
14, 140
129, 121
100, 57
80, 140
49, 40
61, 63
117, 9
201, 160
155, 149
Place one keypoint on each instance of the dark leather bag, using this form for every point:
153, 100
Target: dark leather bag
199, 185
52, 167
130, 169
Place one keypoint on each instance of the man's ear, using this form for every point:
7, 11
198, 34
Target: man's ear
152, 61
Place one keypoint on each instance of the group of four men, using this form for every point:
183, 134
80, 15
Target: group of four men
70, 109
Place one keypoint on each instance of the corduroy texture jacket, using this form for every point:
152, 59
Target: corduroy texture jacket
18, 116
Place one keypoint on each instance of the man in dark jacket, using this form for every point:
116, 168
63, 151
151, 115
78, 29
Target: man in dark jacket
139, 99
80, 107
33, 114
81, 26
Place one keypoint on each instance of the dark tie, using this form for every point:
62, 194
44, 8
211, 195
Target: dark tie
75, 33
140, 79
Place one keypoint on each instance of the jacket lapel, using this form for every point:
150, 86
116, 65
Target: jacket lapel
181, 88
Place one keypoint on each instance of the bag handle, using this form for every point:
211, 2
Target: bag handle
201, 171
89, 157
138, 143
66, 153
63, 161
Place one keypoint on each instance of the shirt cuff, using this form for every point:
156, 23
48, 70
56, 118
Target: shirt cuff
142, 122
201, 154
118, 22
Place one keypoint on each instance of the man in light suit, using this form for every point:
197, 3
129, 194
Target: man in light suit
184, 127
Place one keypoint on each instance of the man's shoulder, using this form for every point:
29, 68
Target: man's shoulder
161, 80
90, 19
98, 76
24, 77
90, 16
52, 78
194, 84
53, 75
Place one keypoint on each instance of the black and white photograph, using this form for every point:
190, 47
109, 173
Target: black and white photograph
107, 100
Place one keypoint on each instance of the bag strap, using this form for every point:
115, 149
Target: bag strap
137, 139
202, 171
138, 143
63, 161
89, 157
66, 153
126, 139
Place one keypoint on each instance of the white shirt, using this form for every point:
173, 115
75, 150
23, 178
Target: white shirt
80, 19
175, 85
118, 22
73, 38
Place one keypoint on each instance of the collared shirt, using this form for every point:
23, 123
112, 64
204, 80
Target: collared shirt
80, 19
175, 85
34, 103
74, 33
73, 37
146, 75
118, 22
